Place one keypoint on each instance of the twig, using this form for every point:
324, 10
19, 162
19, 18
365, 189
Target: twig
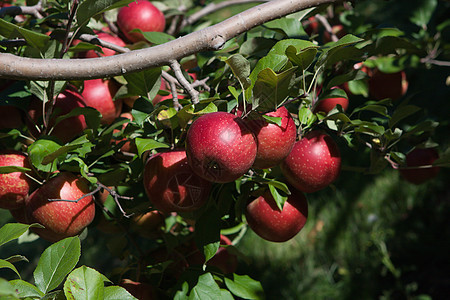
73, 10
202, 83
327, 26
176, 67
34, 10
13, 43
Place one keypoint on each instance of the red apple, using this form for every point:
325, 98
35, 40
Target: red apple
106, 51
66, 129
313, 163
99, 94
266, 220
140, 14
148, 224
220, 147
327, 104
141, 291
387, 85
274, 142
171, 185
312, 27
61, 218
420, 157
15, 186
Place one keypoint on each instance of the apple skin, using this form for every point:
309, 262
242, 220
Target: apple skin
220, 147
313, 163
171, 185
420, 157
266, 220
140, 14
68, 128
14, 187
327, 104
61, 218
313, 26
140, 290
274, 142
99, 94
106, 51
387, 85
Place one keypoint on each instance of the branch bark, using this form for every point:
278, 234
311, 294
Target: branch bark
211, 38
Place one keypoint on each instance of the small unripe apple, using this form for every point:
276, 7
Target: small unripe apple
140, 14
266, 220
314, 162
61, 218
106, 51
387, 85
274, 142
420, 157
171, 185
15, 186
99, 94
220, 147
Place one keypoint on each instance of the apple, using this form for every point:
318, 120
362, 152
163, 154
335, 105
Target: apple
274, 142
220, 147
99, 94
129, 145
313, 26
106, 51
66, 129
15, 186
275, 225
140, 14
387, 85
420, 157
314, 162
327, 104
140, 290
61, 219
147, 224
171, 185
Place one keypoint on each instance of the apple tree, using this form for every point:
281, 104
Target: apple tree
167, 129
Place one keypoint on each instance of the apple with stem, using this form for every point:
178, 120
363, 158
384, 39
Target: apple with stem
140, 14
314, 162
171, 185
14, 186
62, 205
220, 147
272, 224
420, 157
99, 94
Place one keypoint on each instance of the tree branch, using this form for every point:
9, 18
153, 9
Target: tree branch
211, 38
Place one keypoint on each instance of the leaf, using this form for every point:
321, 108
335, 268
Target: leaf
273, 120
91, 115
382, 110
279, 199
421, 16
340, 79
8, 265
289, 26
26, 289
207, 233
34, 39
7, 291
84, 283
56, 262
12, 169
145, 83
89, 8
332, 52
148, 144
142, 108
241, 69
303, 58
402, 112
11, 231
116, 292
154, 37
39, 150
206, 288
245, 287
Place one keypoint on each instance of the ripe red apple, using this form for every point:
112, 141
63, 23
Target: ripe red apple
99, 94
387, 85
140, 14
266, 220
274, 142
14, 187
106, 51
66, 129
171, 185
220, 147
141, 291
61, 218
420, 157
327, 104
314, 162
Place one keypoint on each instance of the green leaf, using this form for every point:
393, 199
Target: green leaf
12, 169
148, 144
241, 69
359, 87
39, 150
8, 265
289, 26
142, 109
206, 288
333, 93
272, 120
7, 291
154, 37
145, 83
402, 112
421, 16
116, 292
207, 233
340, 79
89, 8
245, 287
382, 110
56, 262
303, 58
26, 289
336, 51
91, 115
84, 283
189, 111
11, 231
279, 199
34, 39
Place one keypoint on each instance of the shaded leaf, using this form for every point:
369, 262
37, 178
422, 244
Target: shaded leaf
154, 37
241, 69
245, 287
289, 26
207, 233
148, 144
11, 231
206, 288
7, 265
401, 113
89, 8
34, 39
